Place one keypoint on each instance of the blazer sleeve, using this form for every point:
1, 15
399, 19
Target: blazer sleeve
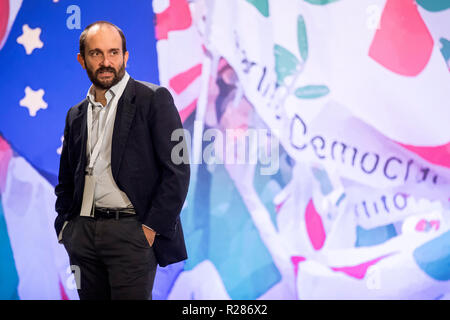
65, 187
171, 193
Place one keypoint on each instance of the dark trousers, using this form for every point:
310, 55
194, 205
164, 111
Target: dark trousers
111, 259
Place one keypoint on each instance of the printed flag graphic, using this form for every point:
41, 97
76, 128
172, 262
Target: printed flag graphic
354, 93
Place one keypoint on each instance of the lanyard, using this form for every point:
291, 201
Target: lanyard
93, 154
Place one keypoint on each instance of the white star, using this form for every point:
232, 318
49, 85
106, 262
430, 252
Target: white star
33, 100
30, 38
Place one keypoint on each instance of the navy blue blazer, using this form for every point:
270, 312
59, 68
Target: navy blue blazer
140, 162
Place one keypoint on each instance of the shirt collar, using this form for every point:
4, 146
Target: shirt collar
115, 90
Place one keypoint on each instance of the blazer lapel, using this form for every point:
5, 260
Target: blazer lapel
122, 124
82, 116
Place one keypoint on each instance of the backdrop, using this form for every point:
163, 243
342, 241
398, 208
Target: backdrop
318, 131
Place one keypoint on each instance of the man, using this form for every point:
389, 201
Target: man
120, 193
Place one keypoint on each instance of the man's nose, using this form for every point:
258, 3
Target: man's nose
106, 62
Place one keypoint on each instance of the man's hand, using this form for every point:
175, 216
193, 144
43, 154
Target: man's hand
149, 234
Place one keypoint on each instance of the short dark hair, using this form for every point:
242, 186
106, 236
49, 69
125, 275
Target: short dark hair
85, 32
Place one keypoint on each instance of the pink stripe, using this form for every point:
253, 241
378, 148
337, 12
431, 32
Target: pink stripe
4, 17
403, 43
5, 157
176, 17
280, 205
62, 291
182, 80
186, 112
435, 223
439, 155
423, 225
314, 226
296, 261
359, 271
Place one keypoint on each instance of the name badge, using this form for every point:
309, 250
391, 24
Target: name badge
87, 206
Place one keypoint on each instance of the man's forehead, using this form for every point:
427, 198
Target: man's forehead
103, 27
103, 34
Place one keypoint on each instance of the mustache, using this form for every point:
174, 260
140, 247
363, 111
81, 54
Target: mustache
105, 69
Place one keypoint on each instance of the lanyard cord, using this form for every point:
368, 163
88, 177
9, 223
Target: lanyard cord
93, 154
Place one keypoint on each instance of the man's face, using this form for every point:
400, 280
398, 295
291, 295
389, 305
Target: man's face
104, 60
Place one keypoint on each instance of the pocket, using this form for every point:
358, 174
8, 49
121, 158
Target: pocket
63, 234
66, 229
143, 237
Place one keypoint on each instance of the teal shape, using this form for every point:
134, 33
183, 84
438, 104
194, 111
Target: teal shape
267, 187
434, 5
219, 228
251, 283
433, 257
261, 5
342, 197
374, 236
312, 92
320, 2
195, 218
445, 50
302, 38
9, 279
323, 179
286, 63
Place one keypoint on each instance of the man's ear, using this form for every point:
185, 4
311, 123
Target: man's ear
125, 58
81, 60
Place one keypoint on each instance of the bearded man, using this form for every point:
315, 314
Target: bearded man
119, 192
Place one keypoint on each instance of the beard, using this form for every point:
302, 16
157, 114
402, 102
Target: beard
105, 84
